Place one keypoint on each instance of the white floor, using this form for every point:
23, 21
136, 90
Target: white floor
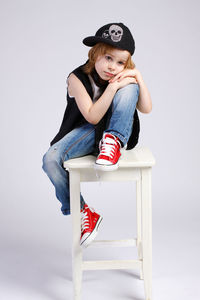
37, 265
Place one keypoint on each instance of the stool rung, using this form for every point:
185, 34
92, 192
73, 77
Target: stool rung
111, 264
114, 243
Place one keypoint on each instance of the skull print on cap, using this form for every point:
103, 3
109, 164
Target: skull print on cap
114, 34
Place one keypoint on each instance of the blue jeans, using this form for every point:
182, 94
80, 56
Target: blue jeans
81, 141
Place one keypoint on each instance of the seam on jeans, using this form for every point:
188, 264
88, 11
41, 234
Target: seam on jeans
131, 122
81, 138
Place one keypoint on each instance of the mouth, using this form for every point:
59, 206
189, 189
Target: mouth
109, 74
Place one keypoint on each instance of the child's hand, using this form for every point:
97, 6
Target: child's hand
122, 83
133, 73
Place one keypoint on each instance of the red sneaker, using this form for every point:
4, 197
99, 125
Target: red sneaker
109, 155
90, 222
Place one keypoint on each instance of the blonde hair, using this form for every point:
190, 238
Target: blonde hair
101, 49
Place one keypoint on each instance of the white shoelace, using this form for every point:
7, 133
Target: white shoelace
108, 147
85, 219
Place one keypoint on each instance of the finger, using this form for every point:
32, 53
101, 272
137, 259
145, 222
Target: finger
134, 80
119, 75
128, 78
131, 80
114, 78
122, 77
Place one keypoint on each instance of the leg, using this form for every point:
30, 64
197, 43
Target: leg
147, 231
76, 226
139, 222
120, 118
78, 142
119, 127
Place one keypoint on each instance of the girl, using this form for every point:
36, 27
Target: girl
101, 116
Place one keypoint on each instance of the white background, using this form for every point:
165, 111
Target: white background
41, 42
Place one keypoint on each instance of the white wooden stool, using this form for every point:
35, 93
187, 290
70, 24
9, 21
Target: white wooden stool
134, 165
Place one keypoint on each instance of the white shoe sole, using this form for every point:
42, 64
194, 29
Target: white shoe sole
85, 243
102, 167
106, 167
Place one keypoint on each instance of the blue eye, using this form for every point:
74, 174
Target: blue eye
121, 63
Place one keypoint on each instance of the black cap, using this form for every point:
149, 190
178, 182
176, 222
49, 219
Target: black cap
114, 34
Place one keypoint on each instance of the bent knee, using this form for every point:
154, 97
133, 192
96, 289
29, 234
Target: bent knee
51, 167
50, 158
44, 162
132, 88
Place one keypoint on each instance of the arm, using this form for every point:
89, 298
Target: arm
144, 103
93, 112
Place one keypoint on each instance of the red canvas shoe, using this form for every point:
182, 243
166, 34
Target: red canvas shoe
109, 155
90, 222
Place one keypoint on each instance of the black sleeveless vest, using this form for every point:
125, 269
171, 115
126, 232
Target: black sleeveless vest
73, 118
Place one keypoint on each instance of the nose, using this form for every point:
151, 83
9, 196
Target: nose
111, 65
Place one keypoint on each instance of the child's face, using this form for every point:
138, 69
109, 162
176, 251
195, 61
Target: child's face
111, 63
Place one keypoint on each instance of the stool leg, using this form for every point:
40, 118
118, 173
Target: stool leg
76, 231
139, 222
147, 231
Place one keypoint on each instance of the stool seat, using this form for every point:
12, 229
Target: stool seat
138, 157
134, 165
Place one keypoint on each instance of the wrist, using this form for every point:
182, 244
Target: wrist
139, 77
112, 86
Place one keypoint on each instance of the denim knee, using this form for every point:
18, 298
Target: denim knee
130, 89
49, 159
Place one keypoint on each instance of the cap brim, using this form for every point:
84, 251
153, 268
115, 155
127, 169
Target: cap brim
93, 40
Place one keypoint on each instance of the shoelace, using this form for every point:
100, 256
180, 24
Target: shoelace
102, 148
108, 147
85, 219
